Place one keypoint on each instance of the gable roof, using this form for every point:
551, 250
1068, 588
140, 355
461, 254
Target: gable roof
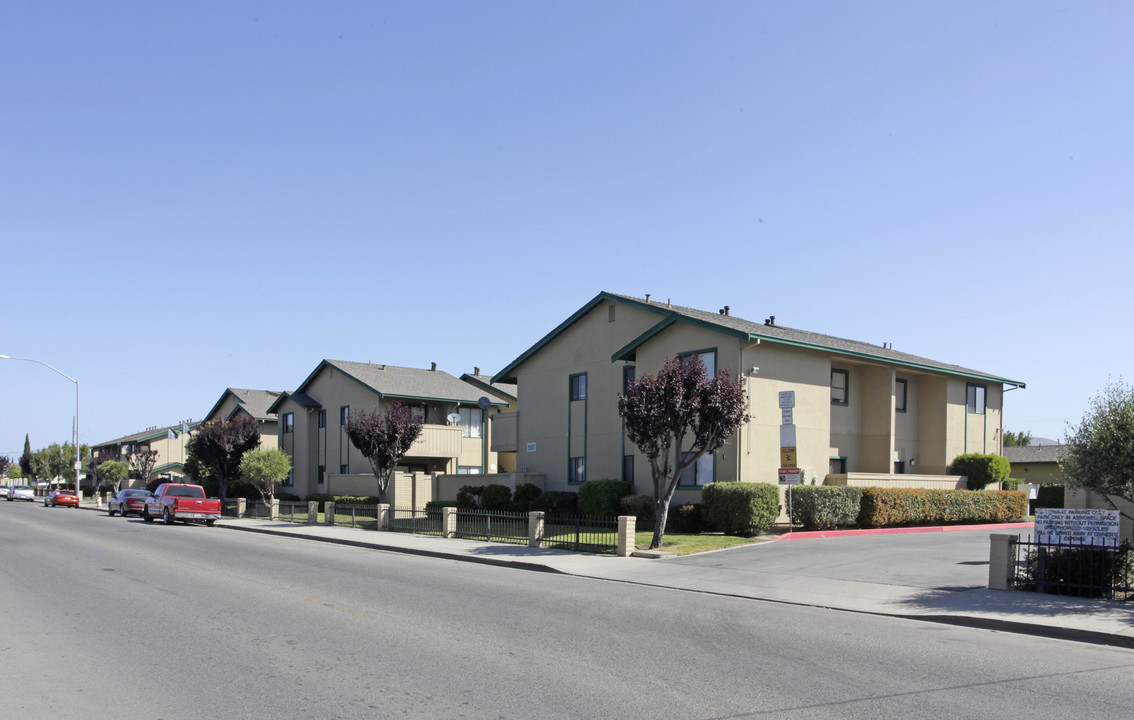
504, 390
399, 383
257, 403
669, 314
1033, 454
147, 435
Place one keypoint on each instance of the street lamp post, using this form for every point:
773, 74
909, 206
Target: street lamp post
78, 452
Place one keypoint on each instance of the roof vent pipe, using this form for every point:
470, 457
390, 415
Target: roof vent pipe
434, 367
647, 297
475, 370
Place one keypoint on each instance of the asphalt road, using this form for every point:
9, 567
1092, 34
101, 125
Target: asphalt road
108, 618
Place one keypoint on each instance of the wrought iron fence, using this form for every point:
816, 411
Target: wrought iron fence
581, 534
359, 516
1077, 569
417, 522
293, 512
493, 526
257, 509
230, 508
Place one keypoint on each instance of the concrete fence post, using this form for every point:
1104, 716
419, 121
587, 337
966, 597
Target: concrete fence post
274, 509
627, 525
383, 516
241, 507
535, 528
1002, 561
449, 522
312, 512
329, 512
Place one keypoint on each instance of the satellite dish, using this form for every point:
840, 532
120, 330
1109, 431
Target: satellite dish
454, 417
484, 403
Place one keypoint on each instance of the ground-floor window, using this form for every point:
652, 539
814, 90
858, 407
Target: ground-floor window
700, 473
576, 471
468, 470
838, 466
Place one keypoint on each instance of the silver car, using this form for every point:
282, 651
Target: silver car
21, 492
4, 490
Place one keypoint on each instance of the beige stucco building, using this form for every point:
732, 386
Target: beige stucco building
857, 408
1036, 464
254, 404
455, 437
168, 442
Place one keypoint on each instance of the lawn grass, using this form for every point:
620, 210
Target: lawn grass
690, 544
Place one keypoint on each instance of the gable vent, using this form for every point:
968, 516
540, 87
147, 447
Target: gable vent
610, 313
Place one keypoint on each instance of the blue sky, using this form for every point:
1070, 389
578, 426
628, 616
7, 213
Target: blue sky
204, 195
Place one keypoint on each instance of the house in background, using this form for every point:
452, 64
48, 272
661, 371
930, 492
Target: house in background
254, 404
863, 414
499, 417
1035, 464
169, 443
455, 438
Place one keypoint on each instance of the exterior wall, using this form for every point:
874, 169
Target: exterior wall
906, 436
846, 420
1037, 473
298, 444
269, 431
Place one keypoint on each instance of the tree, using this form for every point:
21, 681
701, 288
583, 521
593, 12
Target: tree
113, 472
142, 463
219, 445
1099, 453
383, 439
1019, 439
681, 402
26, 458
4, 463
265, 468
68, 456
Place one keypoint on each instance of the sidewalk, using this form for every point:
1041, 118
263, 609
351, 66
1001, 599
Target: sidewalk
1084, 620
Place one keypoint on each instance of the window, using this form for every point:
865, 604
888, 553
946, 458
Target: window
901, 391
471, 419
628, 469
468, 470
322, 418
708, 359
577, 471
977, 397
899, 467
418, 412
288, 423
344, 415
290, 480
322, 473
838, 466
579, 386
629, 373
700, 473
840, 382
344, 469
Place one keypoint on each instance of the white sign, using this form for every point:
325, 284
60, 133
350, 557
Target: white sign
786, 413
1076, 525
787, 435
787, 399
790, 476
531, 447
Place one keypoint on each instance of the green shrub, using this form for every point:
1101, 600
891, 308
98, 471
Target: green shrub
438, 504
740, 508
1049, 495
1011, 484
523, 500
685, 519
642, 508
982, 470
321, 498
288, 497
602, 498
496, 498
821, 507
557, 502
468, 497
883, 507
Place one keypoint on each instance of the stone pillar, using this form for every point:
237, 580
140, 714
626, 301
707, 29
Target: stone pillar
312, 512
626, 529
448, 522
535, 528
274, 509
329, 512
383, 516
241, 507
1002, 561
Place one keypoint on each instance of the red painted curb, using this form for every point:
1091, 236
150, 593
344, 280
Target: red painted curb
808, 535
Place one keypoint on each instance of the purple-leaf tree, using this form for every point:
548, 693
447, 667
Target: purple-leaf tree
384, 438
675, 418
142, 463
220, 444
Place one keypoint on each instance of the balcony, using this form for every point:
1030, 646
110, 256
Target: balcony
436, 441
504, 432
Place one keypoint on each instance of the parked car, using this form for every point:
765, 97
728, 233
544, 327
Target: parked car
128, 502
179, 501
61, 498
4, 489
21, 492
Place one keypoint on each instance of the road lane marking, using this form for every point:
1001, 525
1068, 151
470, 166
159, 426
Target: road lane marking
336, 607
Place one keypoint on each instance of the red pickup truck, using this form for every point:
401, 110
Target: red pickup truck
176, 501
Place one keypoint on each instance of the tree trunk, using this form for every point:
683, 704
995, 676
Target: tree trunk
661, 512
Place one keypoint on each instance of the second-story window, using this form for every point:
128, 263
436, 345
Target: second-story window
901, 393
579, 386
977, 399
471, 419
840, 387
288, 423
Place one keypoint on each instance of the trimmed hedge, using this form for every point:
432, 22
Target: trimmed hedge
484, 497
740, 508
895, 507
523, 500
602, 498
1049, 495
642, 508
822, 507
1011, 484
982, 470
685, 519
342, 499
557, 502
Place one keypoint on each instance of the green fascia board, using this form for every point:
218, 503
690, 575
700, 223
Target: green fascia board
505, 375
886, 360
487, 388
628, 352
471, 403
164, 431
168, 466
280, 401
227, 392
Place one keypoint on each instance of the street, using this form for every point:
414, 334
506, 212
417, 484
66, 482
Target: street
112, 618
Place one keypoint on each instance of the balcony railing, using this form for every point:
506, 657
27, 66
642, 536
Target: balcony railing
436, 441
